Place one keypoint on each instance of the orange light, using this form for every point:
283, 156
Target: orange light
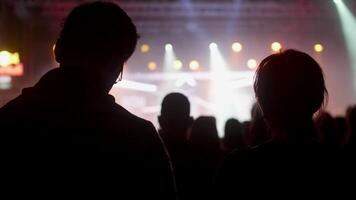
12, 70
152, 66
145, 48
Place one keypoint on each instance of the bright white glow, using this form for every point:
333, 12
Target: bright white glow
252, 64
5, 58
337, 1
213, 45
5, 79
132, 85
5, 82
177, 65
221, 93
179, 82
194, 65
169, 47
236, 47
276, 46
191, 82
169, 59
318, 48
348, 24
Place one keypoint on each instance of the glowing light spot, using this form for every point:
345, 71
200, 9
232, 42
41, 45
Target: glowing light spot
276, 46
236, 47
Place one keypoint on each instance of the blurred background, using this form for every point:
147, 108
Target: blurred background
206, 49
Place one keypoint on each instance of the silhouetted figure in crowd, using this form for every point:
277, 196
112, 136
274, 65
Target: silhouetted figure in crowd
340, 129
259, 132
175, 120
246, 126
326, 130
69, 111
351, 125
206, 155
290, 88
233, 137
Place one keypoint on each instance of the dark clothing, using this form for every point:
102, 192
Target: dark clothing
180, 154
274, 169
61, 120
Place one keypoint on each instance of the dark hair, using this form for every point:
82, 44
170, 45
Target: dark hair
97, 29
204, 134
290, 82
175, 105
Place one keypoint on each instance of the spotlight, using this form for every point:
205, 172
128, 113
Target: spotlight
252, 63
213, 45
5, 58
177, 65
236, 47
337, 1
152, 66
318, 48
276, 46
145, 48
194, 65
169, 47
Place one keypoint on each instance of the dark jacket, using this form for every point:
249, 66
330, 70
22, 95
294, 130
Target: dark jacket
59, 120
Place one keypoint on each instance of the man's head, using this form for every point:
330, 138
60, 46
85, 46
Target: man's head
97, 38
175, 113
289, 85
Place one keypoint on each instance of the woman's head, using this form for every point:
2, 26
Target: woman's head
289, 84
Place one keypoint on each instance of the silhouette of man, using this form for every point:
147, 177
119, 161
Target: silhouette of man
69, 110
233, 137
175, 120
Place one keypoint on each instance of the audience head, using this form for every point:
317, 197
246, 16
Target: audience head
233, 137
96, 39
351, 123
204, 135
175, 114
289, 85
326, 129
340, 125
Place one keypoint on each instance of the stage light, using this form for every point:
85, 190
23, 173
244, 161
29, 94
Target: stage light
252, 64
318, 48
348, 25
276, 46
133, 85
168, 47
5, 58
236, 47
194, 65
337, 1
145, 48
213, 45
177, 65
169, 59
15, 59
152, 66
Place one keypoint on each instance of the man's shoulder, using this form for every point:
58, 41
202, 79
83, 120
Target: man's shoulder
129, 118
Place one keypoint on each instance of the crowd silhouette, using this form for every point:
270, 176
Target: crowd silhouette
69, 114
